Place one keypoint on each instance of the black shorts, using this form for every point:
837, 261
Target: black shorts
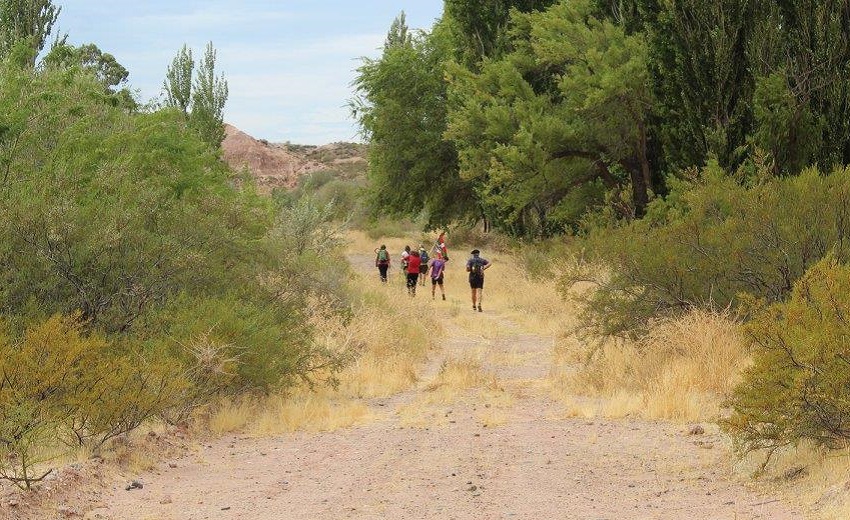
412, 279
437, 281
476, 282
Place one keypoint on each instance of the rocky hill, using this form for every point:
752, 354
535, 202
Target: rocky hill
281, 165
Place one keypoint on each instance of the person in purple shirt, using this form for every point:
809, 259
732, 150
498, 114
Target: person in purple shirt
438, 267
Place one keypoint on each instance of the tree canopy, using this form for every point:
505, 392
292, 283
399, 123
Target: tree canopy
545, 111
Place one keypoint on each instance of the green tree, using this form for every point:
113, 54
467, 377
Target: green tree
201, 97
90, 58
702, 76
30, 20
401, 109
480, 27
209, 96
803, 94
546, 130
178, 81
399, 33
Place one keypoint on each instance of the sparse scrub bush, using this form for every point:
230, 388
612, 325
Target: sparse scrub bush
709, 242
386, 227
798, 385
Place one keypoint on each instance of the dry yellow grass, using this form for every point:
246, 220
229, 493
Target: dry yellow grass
304, 409
308, 411
387, 343
455, 377
458, 380
681, 371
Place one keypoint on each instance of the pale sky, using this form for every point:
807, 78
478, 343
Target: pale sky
289, 64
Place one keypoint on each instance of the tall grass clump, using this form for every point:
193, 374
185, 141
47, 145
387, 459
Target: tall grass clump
683, 369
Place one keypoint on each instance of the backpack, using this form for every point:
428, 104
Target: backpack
383, 256
476, 268
423, 255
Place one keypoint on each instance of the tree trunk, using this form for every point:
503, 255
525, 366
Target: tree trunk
640, 189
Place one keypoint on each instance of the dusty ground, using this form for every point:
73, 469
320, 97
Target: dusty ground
499, 450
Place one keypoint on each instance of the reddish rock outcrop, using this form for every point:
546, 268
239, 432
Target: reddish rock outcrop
272, 165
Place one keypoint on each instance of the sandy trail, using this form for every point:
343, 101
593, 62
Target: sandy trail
501, 451
534, 465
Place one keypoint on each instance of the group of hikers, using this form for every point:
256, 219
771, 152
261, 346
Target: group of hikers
417, 264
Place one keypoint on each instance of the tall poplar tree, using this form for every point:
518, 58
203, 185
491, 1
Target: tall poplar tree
201, 95
209, 95
178, 80
30, 20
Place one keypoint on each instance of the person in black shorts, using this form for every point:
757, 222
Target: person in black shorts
382, 262
476, 266
413, 265
438, 267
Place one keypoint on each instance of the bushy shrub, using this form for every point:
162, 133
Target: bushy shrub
228, 345
707, 243
56, 382
182, 281
799, 383
107, 212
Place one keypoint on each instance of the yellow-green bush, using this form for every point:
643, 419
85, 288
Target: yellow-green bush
59, 383
799, 385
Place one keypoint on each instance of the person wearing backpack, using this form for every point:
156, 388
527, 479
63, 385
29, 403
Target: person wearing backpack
423, 265
476, 266
404, 257
382, 262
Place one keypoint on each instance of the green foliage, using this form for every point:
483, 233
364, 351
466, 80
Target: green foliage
401, 108
546, 130
554, 108
29, 21
209, 96
89, 57
109, 213
480, 27
101, 65
201, 97
710, 242
702, 76
178, 80
785, 129
797, 387
805, 42
228, 344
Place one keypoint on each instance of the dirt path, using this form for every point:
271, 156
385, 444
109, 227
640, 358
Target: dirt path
499, 450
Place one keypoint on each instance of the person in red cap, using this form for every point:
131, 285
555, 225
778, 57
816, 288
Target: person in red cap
440, 246
476, 266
